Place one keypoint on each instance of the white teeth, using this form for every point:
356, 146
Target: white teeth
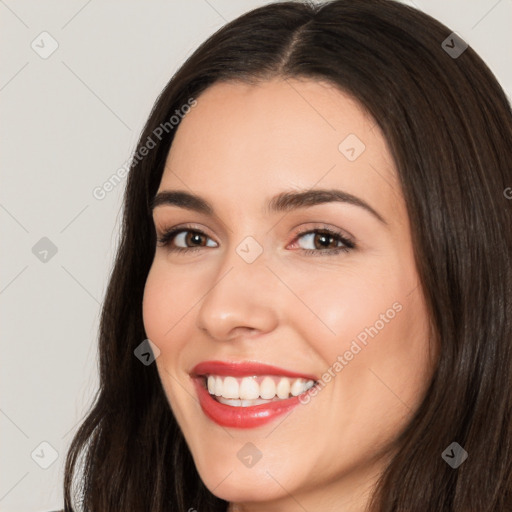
218, 386
242, 392
211, 385
228, 401
230, 389
309, 384
283, 388
297, 388
267, 388
242, 403
249, 389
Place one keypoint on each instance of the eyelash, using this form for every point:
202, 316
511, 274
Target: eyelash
349, 245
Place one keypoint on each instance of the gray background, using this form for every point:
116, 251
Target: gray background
68, 123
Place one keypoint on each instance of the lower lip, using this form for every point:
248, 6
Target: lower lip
241, 417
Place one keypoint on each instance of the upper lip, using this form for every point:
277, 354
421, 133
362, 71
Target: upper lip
243, 369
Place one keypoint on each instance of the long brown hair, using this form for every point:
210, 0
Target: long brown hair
448, 125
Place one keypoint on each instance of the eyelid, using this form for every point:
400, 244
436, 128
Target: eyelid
176, 230
322, 226
342, 236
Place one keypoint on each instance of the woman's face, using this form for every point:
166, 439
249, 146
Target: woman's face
267, 284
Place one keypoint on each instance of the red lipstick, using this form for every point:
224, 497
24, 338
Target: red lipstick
244, 369
242, 417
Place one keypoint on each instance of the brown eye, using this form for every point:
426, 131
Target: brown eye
184, 239
325, 241
194, 238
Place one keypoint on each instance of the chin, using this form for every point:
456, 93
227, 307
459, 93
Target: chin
242, 485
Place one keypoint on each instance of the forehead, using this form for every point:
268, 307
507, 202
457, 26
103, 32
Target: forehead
243, 143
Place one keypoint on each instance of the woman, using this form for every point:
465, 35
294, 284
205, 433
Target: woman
376, 376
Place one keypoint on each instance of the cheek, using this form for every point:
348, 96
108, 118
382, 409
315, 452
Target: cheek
165, 304
340, 306
155, 302
168, 301
372, 329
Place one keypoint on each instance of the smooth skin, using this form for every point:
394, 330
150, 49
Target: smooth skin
241, 145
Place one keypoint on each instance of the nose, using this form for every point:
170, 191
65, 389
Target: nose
241, 300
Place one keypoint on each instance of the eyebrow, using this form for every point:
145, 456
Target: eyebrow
283, 202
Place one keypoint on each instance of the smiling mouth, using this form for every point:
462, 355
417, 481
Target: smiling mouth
248, 394
254, 390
